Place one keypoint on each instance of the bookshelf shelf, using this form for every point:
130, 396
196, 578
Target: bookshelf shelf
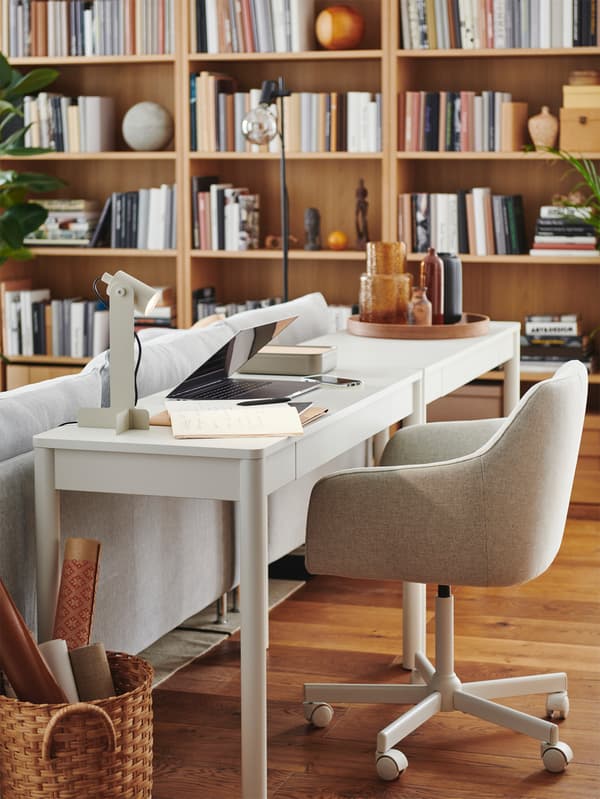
504, 53
275, 255
290, 156
101, 252
508, 260
307, 55
417, 155
535, 377
167, 155
96, 60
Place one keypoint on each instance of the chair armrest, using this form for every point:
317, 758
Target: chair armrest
410, 523
438, 441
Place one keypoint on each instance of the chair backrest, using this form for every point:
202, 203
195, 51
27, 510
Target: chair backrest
493, 516
528, 470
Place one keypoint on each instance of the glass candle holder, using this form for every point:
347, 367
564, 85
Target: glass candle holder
384, 298
386, 257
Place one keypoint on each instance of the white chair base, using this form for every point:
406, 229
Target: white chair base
442, 691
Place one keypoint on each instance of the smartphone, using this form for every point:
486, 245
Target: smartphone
332, 380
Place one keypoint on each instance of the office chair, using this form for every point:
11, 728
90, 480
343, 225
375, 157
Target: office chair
474, 503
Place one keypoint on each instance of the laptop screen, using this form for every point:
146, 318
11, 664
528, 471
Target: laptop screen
242, 346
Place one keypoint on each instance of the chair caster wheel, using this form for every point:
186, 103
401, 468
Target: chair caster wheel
556, 757
319, 714
557, 705
390, 764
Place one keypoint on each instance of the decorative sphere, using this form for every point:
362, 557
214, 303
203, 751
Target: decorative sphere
147, 126
337, 240
339, 27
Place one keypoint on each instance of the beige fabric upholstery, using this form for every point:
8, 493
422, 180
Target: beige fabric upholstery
490, 509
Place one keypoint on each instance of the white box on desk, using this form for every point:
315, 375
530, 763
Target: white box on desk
277, 359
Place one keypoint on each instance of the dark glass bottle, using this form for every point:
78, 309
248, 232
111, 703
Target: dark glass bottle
452, 287
432, 276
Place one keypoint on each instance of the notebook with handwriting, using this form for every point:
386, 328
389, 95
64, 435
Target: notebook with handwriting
235, 422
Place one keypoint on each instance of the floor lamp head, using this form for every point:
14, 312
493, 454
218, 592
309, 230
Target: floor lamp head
127, 294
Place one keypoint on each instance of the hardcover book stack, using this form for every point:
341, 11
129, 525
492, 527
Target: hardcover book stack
564, 230
224, 217
480, 24
69, 223
60, 28
69, 124
145, 219
471, 222
459, 121
314, 121
552, 339
35, 324
252, 26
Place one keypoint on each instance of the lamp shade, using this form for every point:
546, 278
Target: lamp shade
119, 284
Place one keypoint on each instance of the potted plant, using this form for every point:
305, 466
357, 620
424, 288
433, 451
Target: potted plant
586, 193
18, 216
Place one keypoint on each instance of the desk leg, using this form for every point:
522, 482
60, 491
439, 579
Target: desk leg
512, 386
47, 531
414, 602
251, 521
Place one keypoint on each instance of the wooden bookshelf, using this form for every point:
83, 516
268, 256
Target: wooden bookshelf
502, 287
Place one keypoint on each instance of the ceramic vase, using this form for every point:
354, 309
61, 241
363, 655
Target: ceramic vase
543, 128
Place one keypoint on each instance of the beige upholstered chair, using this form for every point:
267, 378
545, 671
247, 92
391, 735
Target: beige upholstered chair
466, 503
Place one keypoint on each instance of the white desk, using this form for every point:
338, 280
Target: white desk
246, 471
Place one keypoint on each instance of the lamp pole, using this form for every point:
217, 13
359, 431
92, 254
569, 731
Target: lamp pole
285, 219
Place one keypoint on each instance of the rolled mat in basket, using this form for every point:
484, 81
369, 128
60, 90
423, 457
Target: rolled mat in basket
21, 659
95, 750
77, 592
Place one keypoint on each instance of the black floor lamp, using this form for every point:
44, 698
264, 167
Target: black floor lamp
260, 126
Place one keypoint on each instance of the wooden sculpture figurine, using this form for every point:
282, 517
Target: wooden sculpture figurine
312, 228
362, 206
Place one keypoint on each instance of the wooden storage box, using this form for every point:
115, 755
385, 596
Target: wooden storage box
579, 129
474, 401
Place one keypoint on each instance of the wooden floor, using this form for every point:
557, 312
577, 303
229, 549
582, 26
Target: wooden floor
343, 630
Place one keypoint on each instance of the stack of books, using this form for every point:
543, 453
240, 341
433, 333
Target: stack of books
224, 216
145, 219
550, 340
70, 222
563, 230
83, 124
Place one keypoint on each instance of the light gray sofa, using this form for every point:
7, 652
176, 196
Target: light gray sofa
163, 559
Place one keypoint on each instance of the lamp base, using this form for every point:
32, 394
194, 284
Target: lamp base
118, 419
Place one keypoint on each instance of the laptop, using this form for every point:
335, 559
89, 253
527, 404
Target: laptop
212, 380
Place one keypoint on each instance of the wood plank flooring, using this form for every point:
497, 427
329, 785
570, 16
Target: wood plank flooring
342, 630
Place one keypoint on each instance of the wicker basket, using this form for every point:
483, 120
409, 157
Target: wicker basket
87, 750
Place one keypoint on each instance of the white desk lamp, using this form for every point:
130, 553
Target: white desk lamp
127, 294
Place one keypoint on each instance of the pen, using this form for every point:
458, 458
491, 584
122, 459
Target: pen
247, 403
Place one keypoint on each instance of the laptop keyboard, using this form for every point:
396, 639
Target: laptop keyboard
231, 389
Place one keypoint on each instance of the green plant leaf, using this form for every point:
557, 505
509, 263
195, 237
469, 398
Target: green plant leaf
34, 181
32, 82
29, 215
10, 229
6, 72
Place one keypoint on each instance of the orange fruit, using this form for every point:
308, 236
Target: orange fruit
337, 240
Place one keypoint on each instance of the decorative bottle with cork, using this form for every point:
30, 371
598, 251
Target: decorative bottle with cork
432, 277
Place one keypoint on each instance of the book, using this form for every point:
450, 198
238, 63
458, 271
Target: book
208, 420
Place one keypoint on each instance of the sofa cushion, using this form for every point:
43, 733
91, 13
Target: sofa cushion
38, 407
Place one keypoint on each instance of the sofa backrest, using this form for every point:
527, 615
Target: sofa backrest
24, 412
41, 406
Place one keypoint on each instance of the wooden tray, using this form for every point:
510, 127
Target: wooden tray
471, 324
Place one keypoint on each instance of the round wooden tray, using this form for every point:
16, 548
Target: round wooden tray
471, 324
